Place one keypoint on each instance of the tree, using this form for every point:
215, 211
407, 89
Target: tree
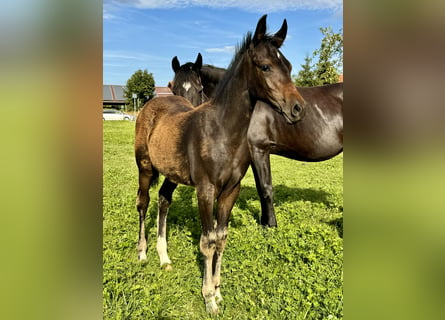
306, 76
329, 63
143, 84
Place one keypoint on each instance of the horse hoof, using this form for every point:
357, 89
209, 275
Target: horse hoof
167, 267
142, 256
212, 307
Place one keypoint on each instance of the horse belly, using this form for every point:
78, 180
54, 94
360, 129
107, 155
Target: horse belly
306, 144
166, 154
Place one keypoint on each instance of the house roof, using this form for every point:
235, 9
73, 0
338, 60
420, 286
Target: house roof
115, 93
163, 91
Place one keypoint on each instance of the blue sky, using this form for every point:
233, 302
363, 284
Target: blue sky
147, 34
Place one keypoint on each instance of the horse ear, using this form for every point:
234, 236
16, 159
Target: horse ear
279, 37
198, 63
175, 64
260, 30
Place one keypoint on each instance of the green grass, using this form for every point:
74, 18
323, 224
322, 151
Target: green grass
291, 272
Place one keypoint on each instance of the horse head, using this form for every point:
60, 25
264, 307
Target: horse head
270, 79
187, 80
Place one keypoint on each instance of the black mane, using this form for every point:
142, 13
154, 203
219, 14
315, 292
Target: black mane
219, 93
240, 50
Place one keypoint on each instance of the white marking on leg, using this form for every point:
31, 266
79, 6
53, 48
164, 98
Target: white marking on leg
187, 85
161, 246
208, 247
211, 306
142, 256
221, 238
142, 244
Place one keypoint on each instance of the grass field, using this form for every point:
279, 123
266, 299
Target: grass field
290, 272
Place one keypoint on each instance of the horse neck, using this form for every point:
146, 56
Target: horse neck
233, 103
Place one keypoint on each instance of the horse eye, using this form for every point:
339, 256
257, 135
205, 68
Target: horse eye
265, 68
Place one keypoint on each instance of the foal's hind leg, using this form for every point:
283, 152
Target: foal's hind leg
165, 199
142, 202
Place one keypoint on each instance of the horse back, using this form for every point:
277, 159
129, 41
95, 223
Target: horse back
327, 97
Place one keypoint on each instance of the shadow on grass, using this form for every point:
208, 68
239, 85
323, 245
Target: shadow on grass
282, 193
183, 212
338, 224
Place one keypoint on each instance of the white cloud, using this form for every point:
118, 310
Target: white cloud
108, 16
111, 56
249, 5
229, 49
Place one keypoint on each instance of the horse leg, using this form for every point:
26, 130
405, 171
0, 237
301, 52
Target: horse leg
165, 199
207, 244
263, 181
142, 202
224, 208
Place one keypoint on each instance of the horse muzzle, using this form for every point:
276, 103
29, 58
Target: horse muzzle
294, 113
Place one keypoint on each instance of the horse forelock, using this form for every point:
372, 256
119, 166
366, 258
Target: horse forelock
185, 73
186, 77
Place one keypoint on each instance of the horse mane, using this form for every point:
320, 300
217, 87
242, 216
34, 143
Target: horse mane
219, 94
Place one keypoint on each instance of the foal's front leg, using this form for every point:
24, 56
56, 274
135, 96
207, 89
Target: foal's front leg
207, 244
165, 199
225, 205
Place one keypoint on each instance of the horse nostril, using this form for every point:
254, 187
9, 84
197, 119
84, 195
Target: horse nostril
296, 109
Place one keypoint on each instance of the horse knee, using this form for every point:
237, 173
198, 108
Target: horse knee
221, 239
207, 244
267, 191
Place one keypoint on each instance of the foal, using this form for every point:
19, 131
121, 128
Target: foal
187, 82
206, 147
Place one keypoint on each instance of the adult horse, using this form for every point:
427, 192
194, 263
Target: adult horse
207, 147
317, 137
